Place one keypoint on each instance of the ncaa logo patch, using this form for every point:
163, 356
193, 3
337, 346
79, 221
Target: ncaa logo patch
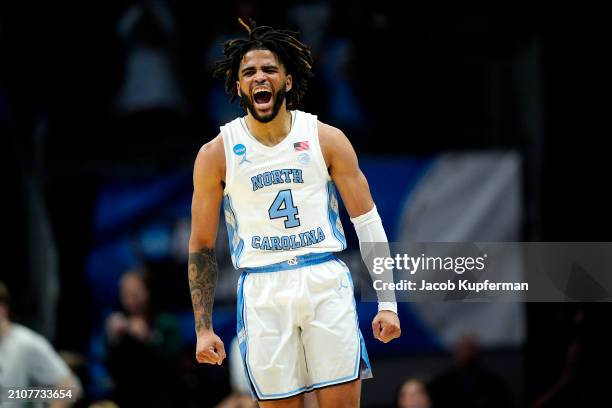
239, 149
304, 158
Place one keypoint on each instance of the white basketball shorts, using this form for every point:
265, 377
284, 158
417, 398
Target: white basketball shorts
298, 328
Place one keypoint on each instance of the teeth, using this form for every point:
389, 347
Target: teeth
260, 90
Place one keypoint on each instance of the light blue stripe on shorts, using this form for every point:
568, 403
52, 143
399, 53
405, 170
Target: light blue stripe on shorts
294, 263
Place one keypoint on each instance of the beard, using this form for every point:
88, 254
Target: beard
278, 102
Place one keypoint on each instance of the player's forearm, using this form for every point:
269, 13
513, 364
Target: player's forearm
373, 244
202, 283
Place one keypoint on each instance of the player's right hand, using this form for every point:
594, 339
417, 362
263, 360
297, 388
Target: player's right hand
209, 348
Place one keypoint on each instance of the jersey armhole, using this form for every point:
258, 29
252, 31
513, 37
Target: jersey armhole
319, 151
229, 170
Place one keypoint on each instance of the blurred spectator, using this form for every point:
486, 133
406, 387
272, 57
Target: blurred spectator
572, 383
413, 394
150, 82
28, 360
150, 105
561, 392
468, 383
324, 30
143, 348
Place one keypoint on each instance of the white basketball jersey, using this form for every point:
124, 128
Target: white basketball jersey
279, 202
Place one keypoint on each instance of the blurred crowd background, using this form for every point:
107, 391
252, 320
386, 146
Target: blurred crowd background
479, 115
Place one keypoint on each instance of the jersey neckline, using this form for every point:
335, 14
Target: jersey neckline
263, 146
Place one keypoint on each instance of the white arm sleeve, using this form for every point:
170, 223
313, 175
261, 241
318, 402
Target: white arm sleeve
369, 228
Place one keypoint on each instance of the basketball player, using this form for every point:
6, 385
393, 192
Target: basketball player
276, 171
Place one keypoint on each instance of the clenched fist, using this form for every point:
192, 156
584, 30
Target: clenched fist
209, 348
386, 326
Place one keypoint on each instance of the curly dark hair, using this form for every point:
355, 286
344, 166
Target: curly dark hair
292, 54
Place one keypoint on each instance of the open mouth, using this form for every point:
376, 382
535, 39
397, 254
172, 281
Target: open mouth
262, 97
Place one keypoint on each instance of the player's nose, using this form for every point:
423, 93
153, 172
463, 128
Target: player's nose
260, 77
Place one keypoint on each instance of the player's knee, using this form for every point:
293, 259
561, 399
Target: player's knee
340, 396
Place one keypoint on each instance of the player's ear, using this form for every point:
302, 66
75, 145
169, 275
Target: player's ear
238, 88
288, 83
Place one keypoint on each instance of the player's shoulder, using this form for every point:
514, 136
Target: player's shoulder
329, 132
331, 138
212, 148
212, 155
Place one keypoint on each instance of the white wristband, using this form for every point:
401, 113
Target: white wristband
391, 306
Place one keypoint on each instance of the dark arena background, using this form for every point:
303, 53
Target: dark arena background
470, 125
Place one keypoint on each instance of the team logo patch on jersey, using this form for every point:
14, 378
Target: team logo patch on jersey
240, 150
301, 146
304, 158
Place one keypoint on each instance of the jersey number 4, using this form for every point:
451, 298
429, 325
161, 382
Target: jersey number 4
282, 207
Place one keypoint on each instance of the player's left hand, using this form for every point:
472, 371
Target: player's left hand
386, 326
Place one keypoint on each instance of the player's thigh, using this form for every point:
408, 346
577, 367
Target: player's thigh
271, 346
293, 402
347, 395
331, 334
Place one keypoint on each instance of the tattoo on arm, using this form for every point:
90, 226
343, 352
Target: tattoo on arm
202, 282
